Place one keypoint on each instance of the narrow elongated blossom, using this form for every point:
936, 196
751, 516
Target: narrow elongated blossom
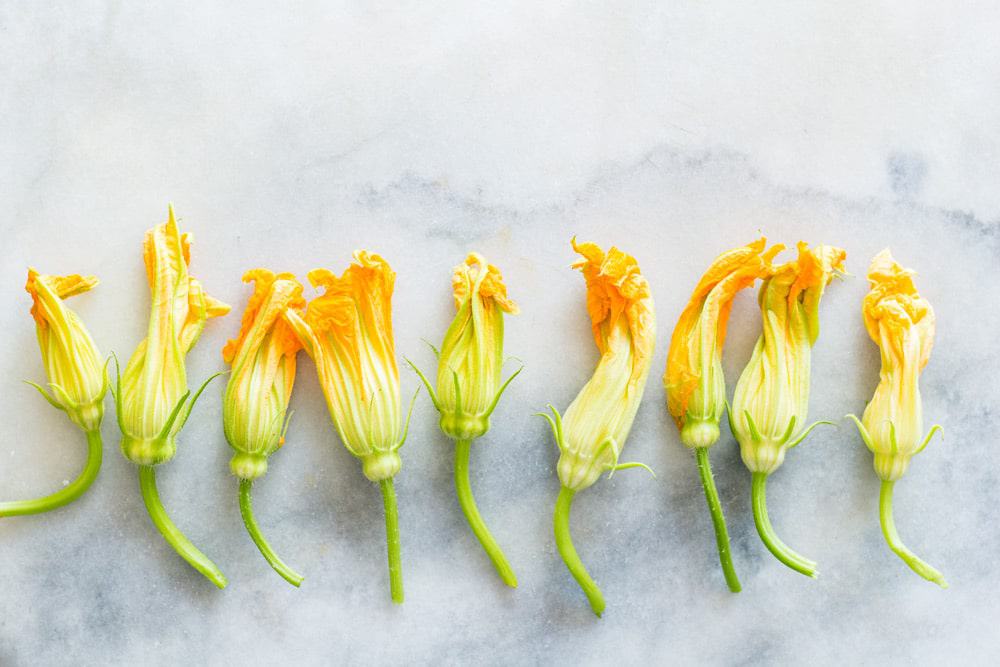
469, 380
593, 430
694, 380
772, 394
153, 400
347, 331
255, 406
901, 322
77, 378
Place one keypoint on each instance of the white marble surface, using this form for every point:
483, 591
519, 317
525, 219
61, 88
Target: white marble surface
287, 138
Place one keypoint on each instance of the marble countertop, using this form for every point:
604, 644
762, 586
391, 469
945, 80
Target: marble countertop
286, 139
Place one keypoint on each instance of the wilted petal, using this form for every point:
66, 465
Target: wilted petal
598, 420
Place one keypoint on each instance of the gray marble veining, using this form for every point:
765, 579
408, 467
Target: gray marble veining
287, 138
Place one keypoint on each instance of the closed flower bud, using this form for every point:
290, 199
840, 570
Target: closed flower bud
595, 425
772, 394
694, 382
901, 323
469, 377
348, 333
263, 372
73, 365
77, 379
153, 397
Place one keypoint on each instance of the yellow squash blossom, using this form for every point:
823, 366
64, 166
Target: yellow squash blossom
469, 380
901, 323
76, 375
256, 401
694, 381
593, 430
772, 394
471, 358
348, 333
153, 398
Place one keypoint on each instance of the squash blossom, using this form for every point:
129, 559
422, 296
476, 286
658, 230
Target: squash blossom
347, 331
901, 323
152, 397
593, 430
469, 380
772, 394
694, 381
256, 401
77, 378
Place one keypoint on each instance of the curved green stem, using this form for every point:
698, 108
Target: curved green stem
246, 510
476, 523
174, 537
780, 550
69, 493
392, 540
892, 537
718, 520
564, 542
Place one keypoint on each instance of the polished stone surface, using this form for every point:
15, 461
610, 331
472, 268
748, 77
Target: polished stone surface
287, 138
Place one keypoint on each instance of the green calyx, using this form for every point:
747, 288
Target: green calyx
763, 453
152, 451
149, 452
464, 427
459, 423
381, 465
890, 463
248, 466
699, 433
88, 416
578, 470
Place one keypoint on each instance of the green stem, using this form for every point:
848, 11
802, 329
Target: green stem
392, 540
780, 550
719, 521
246, 510
67, 494
564, 541
476, 523
892, 537
174, 537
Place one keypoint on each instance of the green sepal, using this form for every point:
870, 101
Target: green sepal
409, 414
555, 421
427, 383
46, 395
937, 428
503, 387
631, 464
808, 430
864, 433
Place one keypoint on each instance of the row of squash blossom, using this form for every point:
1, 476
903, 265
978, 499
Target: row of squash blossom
347, 331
